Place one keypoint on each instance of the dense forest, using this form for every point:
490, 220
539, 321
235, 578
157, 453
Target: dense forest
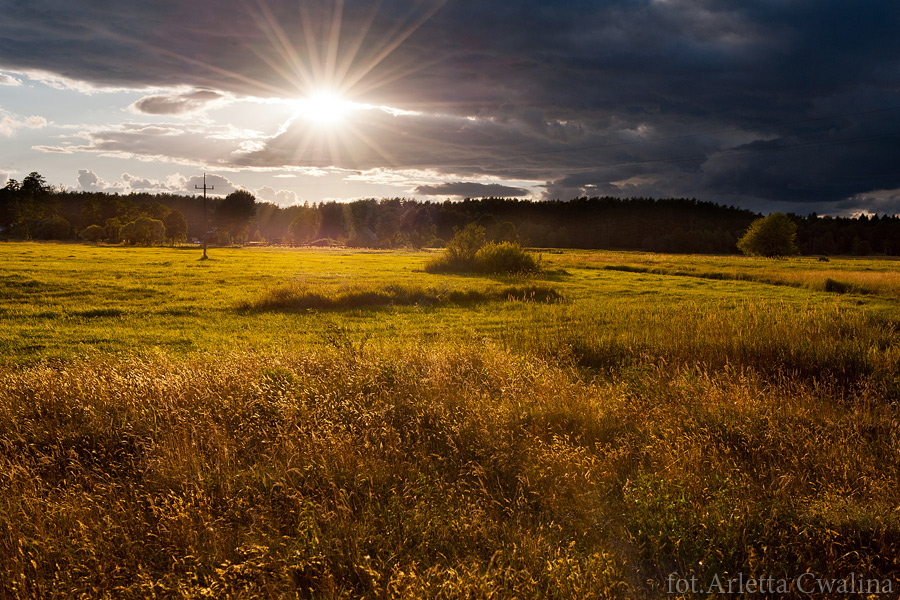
31, 209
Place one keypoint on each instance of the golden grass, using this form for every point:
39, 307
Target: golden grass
424, 471
473, 448
861, 276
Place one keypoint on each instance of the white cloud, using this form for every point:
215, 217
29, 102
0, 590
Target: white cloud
9, 125
265, 193
195, 144
139, 183
248, 146
280, 197
61, 82
9, 80
176, 183
91, 182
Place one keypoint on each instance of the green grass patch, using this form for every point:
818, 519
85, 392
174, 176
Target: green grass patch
305, 296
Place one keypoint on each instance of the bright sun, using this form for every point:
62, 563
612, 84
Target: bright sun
323, 108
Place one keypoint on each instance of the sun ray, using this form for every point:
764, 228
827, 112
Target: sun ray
284, 47
334, 41
349, 56
332, 64
373, 145
311, 39
253, 83
399, 36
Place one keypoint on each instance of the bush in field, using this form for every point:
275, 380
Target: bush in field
506, 257
144, 231
463, 247
92, 233
771, 236
468, 252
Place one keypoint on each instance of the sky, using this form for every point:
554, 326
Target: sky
771, 105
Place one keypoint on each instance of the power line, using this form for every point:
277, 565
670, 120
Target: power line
205, 226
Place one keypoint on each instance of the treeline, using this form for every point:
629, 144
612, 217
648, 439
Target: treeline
33, 210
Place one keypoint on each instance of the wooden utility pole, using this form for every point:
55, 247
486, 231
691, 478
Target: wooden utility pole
205, 226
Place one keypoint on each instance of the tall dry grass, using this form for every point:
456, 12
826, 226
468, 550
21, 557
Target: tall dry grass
429, 471
832, 344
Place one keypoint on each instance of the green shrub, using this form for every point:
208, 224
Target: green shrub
463, 247
93, 233
506, 257
468, 252
771, 236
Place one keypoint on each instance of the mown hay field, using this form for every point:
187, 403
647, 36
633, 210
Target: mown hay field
341, 424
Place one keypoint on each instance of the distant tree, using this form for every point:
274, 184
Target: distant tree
51, 228
92, 233
156, 210
416, 227
861, 247
144, 231
27, 204
387, 222
774, 235
113, 228
506, 232
305, 225
8, 197
34, 186
332, 223
234, 214
176, 226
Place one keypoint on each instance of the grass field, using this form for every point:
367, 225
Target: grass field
342, 424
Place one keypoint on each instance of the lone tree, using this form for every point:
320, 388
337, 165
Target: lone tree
770, 236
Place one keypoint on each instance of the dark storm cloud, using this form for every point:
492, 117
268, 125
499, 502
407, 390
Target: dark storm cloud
757, 101
472, 190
